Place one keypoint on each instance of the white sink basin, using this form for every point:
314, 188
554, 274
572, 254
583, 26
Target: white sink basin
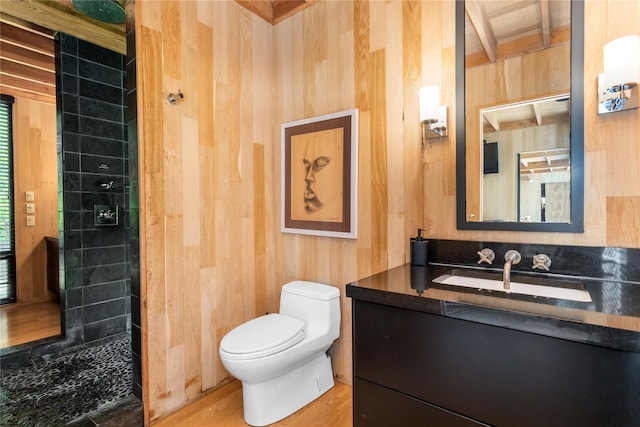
516, 287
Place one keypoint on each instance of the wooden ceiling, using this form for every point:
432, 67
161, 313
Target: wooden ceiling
499, 29
27, 63
274, 11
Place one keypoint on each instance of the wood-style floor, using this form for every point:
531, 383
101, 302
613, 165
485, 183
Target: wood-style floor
223, 407
21, 323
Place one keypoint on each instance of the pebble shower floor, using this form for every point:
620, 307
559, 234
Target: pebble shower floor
54, 392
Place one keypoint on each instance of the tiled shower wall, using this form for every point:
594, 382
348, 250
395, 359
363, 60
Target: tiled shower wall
93, 144
134, 210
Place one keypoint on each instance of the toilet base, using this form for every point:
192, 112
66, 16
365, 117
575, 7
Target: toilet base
270, 401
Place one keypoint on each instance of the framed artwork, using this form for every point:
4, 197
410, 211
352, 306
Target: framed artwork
319, 175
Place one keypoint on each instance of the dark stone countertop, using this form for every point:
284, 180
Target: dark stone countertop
611, 320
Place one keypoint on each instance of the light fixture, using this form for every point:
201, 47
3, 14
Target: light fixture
433, 116
618, 85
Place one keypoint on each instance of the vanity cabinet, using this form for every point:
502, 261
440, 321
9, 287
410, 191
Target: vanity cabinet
425, 368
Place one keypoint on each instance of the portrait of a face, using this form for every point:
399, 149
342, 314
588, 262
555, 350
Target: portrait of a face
312, 166
316, 176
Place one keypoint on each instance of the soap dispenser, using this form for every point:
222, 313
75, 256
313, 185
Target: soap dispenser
418, 248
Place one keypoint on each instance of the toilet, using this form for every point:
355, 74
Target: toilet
281, 358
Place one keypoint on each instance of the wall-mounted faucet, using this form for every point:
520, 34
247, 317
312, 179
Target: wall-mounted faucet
511, 257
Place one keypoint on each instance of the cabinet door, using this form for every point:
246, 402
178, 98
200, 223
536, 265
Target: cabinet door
375, 406
495, 375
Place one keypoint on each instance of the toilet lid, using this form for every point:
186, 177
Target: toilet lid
263, 336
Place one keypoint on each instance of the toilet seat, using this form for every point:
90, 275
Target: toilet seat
262, 337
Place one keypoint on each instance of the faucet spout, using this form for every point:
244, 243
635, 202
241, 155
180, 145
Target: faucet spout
511, 257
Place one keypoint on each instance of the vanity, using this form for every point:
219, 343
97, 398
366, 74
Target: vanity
431, 354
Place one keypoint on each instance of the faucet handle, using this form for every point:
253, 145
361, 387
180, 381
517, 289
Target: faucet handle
486, 255
541, 262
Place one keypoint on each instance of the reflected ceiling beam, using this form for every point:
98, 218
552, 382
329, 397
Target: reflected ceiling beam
58, 16
537, 112
545, 17
482, 27
493, 121
527, 123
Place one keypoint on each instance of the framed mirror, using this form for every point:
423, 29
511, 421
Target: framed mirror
519, 132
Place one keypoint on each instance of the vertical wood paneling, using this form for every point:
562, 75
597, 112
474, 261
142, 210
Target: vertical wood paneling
35, 169
213, 255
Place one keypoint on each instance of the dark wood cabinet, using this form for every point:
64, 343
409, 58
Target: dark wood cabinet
424, 369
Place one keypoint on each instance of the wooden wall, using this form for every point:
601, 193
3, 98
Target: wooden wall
36, 169
612, 155
212, 254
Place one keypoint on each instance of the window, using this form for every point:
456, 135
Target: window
7, 227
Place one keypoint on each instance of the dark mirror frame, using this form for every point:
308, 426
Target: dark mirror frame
576, 225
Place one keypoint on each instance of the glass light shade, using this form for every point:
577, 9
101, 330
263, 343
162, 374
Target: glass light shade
622, 61
429, 102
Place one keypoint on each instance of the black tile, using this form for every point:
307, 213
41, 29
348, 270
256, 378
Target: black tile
70, 123
73, 318
102, 146
104, 273
103, 236
102, 165
74, 298
72, 220
69, 84
103, 310
135, 311
71, 202
72, 275
68, 44
100, 55
99, 91
136, 340
71, 181
104, 292
70, 103
101, 128
69, 64
102, 198
104, 328
71, 142
103, 256
100, 73
101, 110
71, 162
72, 239
99, 183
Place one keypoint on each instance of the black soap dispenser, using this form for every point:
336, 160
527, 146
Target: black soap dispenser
418, 247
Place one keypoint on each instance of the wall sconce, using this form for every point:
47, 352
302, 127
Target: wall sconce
618, 85
433, 116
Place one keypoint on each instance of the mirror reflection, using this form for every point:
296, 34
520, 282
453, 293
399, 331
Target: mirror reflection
526, 161
515, 80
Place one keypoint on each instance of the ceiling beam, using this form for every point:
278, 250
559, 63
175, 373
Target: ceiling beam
546, 23
57, 16
482, 27
262, 8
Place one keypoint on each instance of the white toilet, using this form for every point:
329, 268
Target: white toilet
282, 358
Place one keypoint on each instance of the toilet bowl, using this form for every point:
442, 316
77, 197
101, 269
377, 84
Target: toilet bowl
281, 358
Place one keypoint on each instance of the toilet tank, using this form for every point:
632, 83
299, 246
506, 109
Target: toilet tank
315, 303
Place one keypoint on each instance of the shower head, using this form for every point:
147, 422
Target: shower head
109, 11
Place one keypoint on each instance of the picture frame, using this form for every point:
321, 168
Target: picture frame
320, 175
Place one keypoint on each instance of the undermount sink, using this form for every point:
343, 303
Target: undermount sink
470, 279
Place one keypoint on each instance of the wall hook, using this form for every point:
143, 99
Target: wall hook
175, 98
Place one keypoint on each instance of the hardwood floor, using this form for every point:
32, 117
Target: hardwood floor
223, 407
21, 323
